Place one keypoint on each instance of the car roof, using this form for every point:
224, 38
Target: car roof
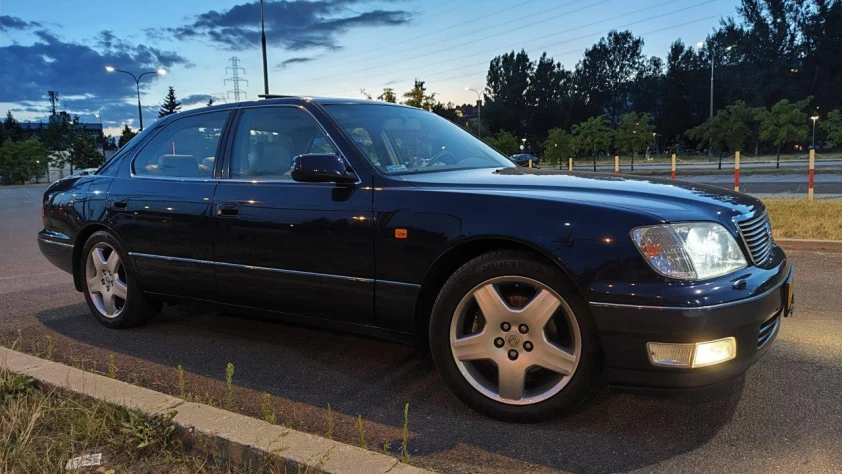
295, 99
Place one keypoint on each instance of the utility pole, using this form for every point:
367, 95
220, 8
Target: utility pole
53, 101
263, 44
235, 79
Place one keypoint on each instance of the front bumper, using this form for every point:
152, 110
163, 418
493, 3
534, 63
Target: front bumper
625, 330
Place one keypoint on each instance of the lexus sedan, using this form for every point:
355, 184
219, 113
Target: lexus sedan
529, 288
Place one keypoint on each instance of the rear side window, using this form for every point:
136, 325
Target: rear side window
186, 148
268, 138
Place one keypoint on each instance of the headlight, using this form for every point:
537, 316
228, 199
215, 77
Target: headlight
689, 251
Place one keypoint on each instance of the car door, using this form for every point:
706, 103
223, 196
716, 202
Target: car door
298, 248
160, 205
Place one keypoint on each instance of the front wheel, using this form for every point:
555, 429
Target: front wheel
513, 340
111, 288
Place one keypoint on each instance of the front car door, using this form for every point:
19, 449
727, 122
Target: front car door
160, 205
298, 248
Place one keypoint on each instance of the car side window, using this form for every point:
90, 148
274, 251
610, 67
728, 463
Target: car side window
186, 148
268, 138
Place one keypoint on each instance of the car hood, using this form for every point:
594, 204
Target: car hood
668, 200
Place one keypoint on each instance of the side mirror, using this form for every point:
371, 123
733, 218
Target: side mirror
321, 168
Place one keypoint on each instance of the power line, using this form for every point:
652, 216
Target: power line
449, 48
345, 77
473, 73
355, 60
235, 79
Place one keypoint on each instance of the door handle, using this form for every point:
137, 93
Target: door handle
227, 210
120, 205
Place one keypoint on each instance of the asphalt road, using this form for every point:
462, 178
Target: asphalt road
785, 417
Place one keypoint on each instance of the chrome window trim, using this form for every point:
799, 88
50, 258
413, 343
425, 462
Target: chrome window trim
268, 269
691, 308
62, 244
177, 178
226, 171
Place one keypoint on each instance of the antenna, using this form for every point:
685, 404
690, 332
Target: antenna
53, 95
236, 79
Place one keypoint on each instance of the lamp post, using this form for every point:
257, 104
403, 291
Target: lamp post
710, 50
479, 111
160, 72
263, 46
814, 118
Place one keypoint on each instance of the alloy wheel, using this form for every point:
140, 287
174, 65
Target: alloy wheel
515, 340
106, 278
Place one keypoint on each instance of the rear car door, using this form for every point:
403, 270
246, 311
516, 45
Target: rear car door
160, 205
299, 248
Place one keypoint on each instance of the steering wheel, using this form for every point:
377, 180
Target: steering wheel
438, 156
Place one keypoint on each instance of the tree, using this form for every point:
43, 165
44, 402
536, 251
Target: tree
11, 127
785, 122
593, 135
833, 126
170, 105
507, 92
635, 132
82, 152
210, 102
505, 142
126, 135
447, 110
22, 160
388, 95
559, 146
418, 97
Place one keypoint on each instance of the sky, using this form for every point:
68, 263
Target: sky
330, 48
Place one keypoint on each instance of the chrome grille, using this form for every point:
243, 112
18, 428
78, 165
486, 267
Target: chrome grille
756, 233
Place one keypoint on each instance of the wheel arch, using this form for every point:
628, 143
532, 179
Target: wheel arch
453, 258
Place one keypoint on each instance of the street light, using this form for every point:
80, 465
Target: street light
710, 50
814, 118
479, 111
160, 71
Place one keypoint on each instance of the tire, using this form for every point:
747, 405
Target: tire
111, 285
474, 349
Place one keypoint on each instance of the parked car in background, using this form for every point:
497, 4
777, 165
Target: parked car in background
522, 159
390, 221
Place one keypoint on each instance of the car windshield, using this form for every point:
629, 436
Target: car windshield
402, 140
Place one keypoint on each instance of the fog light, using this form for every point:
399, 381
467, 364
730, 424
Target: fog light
700, 354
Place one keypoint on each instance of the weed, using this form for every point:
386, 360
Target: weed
13, 386
229, 385
181, 385
329, 422
405, 440
112, 367
387, 448
361, 431
268, 410
49, 353
17, 345
144, 431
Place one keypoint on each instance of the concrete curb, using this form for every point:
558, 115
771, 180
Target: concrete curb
810, 244
238, 439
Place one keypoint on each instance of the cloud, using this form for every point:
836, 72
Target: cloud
201, 99
290, 24
77, 71
14, 23
291, 61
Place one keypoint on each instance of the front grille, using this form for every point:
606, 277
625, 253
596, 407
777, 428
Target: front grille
757, 236
768, 329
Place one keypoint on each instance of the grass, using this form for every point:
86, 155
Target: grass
625, 160
801, 219
41, 430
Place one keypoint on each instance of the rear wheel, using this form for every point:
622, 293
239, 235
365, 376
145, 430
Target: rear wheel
512, 339
111, 288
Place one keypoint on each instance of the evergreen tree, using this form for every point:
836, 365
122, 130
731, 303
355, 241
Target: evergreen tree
125, 136
170, 105
418, 97
388, 95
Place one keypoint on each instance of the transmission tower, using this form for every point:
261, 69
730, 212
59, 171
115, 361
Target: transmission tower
53, 95
235, 79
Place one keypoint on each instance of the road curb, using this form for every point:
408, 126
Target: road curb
233, 438
810, 244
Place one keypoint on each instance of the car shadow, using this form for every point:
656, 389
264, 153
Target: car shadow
611, 432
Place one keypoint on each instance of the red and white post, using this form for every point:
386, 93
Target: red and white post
811, 174
737, 171
672, 169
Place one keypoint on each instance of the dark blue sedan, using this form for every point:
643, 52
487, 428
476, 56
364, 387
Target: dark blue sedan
529, 288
